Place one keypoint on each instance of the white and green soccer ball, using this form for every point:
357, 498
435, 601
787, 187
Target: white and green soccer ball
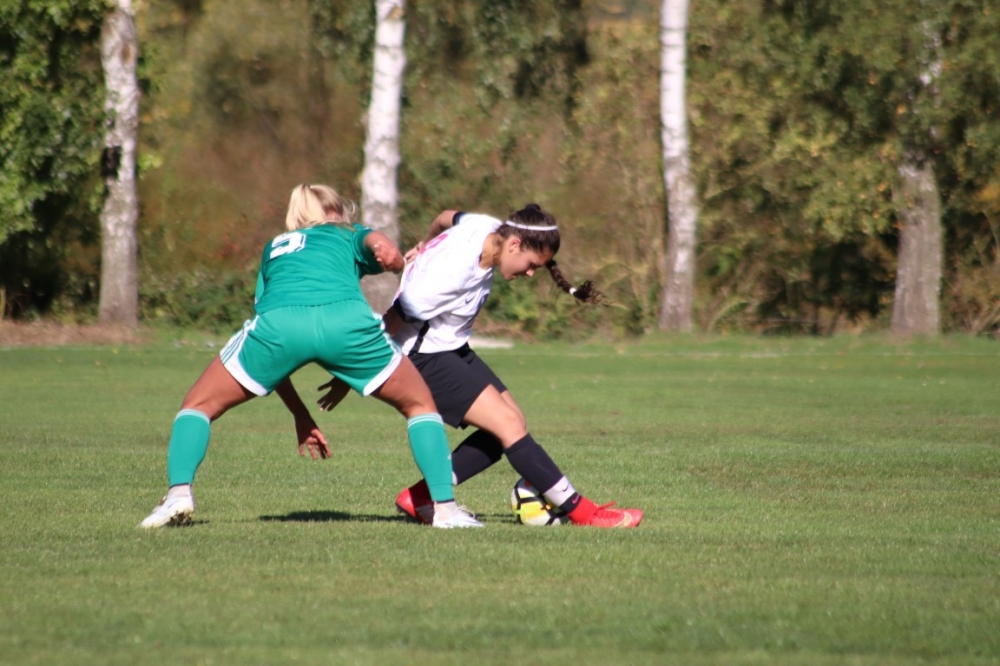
530, 508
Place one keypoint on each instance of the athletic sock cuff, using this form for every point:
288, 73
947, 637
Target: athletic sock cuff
432, 417
193, 412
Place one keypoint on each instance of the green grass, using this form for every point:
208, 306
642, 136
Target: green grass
807, 501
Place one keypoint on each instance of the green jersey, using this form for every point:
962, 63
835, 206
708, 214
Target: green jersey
314, 266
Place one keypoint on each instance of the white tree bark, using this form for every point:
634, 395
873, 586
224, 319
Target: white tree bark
682, 211
119, 297
915, 308
378, 179
917, 302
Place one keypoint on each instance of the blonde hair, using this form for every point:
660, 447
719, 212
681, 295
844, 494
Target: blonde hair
312, 205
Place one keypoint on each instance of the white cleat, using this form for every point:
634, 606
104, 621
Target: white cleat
456, 517
170, 511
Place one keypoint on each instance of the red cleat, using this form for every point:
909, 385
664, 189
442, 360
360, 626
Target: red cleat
416, 503
589, 514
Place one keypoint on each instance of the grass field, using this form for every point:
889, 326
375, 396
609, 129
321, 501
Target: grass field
808, 501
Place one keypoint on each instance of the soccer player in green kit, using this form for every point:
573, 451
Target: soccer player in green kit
309, 308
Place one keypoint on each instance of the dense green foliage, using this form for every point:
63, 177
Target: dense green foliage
50, 119
804, 112
800, 115
808, 501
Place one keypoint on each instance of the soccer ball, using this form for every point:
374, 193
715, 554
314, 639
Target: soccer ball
530, 508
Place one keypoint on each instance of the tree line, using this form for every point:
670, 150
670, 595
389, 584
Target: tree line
829, 145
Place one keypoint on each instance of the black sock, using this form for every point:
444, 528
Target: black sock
478, 452
532, 462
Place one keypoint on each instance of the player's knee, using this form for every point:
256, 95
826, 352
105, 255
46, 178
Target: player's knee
509, 427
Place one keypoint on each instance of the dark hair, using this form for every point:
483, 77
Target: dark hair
538, 240
586, 292
541, 240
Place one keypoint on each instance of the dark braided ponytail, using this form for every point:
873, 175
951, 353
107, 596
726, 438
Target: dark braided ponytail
586, 292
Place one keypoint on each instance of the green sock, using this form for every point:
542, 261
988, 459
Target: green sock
429, 444
188, 444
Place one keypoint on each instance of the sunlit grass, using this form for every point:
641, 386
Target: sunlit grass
807, 501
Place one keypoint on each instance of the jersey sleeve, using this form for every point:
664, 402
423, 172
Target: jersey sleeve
363, 257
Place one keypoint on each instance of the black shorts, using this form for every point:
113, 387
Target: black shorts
456, 378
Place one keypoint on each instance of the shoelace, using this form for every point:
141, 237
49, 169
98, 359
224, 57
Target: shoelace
606, 509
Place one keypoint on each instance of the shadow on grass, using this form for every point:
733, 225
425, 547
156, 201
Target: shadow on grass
340, 516
331, 516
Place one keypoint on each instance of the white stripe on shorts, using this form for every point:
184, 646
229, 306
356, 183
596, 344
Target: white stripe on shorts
236, 342
383, 376
230, 356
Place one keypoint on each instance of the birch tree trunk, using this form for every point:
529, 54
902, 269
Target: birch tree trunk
378, 179
119, 297
915, 310
682, 212
916, 305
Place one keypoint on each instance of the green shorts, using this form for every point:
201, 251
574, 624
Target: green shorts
345, 338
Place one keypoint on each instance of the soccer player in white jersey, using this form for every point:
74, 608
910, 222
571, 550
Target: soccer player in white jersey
309, 308
441, 292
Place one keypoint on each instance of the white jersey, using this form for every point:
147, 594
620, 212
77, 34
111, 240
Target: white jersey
444, 288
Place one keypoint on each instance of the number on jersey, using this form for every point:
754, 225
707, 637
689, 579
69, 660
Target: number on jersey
292, 241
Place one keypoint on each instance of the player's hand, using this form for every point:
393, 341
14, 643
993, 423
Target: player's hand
388, 256
311, 438
337, 391
412, 253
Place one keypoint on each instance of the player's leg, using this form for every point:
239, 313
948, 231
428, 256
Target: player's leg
373, 365
240, 372
500, 429
407, 392
481, 449
215, 392
468, 392
477, 452
455, 379
499, 414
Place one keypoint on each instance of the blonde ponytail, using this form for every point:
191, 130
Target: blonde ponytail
312, 205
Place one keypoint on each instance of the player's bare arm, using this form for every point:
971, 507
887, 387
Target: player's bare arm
386, 252
444, 221
308, 433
